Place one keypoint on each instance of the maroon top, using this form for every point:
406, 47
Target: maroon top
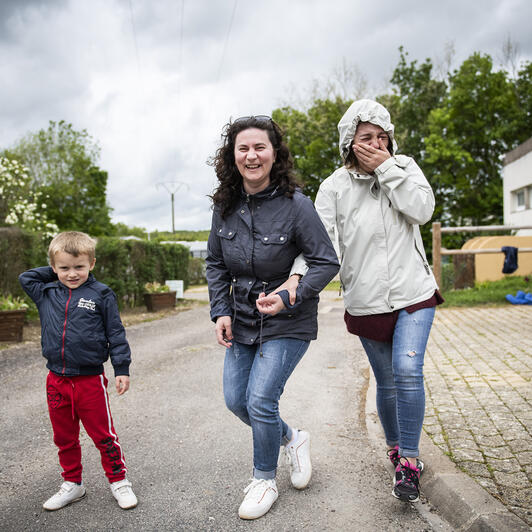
380, 327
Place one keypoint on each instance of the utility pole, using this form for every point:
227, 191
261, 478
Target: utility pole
172, 187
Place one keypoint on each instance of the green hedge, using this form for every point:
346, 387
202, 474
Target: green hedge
196, 271
19, 251
125, 265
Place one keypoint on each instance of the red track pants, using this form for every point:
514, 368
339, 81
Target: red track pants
71, 399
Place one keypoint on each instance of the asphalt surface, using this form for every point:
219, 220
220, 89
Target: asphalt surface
189, 458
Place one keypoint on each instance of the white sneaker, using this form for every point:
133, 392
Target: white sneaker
298, 456
260, 495
68, 492
123, 493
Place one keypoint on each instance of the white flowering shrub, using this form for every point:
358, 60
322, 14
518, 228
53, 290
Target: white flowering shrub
19, 204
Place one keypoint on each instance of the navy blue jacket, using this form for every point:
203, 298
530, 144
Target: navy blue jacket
252, 251
79, 328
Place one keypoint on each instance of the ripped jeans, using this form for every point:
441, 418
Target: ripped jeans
398, 370
253, 385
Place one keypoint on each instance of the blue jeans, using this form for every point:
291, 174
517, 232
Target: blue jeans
398, 370
253, 385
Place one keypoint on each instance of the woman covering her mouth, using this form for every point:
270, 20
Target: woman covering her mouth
375, 203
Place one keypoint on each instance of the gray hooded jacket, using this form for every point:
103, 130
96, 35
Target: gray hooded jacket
375, 219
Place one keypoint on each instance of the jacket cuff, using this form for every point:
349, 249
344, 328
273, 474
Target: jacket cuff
121, 370
385, 166
214, 317
285, 296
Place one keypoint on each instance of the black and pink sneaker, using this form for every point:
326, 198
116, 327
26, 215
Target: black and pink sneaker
393, 455
406, 485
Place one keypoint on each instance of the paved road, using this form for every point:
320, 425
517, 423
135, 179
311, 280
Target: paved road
188, 457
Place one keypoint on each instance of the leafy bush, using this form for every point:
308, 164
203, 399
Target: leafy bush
156, 288
196, 270
19, 251
20, 205
12, 303
447, 276
127, 265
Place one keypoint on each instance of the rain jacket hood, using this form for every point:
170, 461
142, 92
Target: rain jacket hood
363, 111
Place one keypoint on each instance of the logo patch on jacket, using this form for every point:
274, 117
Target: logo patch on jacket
87, 303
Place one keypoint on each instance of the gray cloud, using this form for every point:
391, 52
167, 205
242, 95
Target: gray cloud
156, 98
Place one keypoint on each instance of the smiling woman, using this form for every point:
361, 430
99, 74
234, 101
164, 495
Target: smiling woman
261, 222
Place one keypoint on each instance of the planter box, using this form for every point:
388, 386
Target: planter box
155, 302
11, 325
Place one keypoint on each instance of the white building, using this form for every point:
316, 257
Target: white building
517, 186
197, 248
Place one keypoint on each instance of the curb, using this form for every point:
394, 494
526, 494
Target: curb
464, 504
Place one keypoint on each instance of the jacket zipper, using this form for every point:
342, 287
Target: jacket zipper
248, 201
423, 261
64, 330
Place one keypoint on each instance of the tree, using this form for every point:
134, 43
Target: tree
457, 129
19, 205
523, 91
121, 229
414, 95
62, 165
469, 133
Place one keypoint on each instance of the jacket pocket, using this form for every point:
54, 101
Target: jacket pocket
421, 253
226, 232
232, 252
274, 239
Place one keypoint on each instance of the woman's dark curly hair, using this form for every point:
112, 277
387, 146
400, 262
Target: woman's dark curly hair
228, 192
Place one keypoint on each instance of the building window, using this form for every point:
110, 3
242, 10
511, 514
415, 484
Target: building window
520, 200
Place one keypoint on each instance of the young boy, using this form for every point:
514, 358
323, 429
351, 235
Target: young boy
81, 327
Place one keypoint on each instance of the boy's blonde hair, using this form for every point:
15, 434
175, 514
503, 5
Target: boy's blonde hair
72, 242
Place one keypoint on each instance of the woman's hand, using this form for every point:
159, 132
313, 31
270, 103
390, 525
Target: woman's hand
290, 285
270, 304
369, 157
224, 334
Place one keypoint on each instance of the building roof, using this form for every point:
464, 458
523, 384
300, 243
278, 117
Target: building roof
193, 245
518, 152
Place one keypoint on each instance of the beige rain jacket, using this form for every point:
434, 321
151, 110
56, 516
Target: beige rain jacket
375, 219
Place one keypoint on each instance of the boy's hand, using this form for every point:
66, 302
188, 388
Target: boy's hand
122, 384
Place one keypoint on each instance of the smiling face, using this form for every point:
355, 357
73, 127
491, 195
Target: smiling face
254, 158
72, 271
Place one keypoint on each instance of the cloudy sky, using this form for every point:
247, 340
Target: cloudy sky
154, 81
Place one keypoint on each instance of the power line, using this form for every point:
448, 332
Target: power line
180, 58
226, 41
134, 36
